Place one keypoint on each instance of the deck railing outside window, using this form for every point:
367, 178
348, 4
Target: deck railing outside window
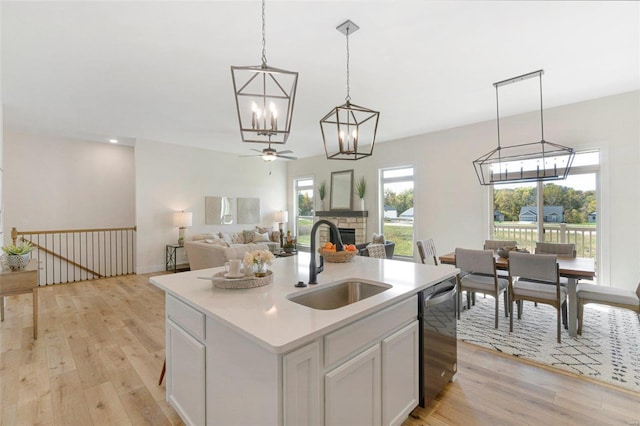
526, 235
81, 254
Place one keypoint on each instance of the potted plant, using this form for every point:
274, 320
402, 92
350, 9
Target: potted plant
361, 189
322, 191
18, 256
289, 244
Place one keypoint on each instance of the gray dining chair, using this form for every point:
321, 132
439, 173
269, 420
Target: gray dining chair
560, 249
536, 278
496, 244
478, 275
610, 296
427, 251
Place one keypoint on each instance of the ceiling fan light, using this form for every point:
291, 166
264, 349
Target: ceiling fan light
269, 157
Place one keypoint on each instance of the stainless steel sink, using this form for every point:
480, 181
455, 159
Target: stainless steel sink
343, 293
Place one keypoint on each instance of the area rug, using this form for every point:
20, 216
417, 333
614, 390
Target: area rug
608, 350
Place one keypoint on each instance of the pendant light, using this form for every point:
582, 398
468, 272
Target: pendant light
528, 162
349, 130
264, 99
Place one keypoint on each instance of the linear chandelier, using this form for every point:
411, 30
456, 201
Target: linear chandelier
527, 162
264, 99
349, 130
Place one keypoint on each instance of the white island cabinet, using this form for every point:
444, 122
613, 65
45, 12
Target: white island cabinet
253, 357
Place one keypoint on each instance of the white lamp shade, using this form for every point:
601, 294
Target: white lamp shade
182, 219
282, 216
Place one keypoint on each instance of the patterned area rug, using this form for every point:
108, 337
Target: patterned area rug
608, 350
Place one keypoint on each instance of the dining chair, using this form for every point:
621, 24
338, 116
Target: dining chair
616, 297
478, 275
536, 277
427, 251
561, 249
496, 244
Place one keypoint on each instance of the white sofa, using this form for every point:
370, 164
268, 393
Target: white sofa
215, 249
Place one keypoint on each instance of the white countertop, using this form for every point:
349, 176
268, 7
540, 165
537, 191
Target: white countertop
267, 317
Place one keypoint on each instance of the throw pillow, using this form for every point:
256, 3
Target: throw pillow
226, 237
263, 229
275, 236
377, 238
205, 236
259, 238
377, 250
248, 237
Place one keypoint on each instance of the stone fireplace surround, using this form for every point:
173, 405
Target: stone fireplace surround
350, 219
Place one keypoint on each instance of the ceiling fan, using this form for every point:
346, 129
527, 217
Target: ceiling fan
269, 154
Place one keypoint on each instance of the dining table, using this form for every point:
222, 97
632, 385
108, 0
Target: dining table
572, 268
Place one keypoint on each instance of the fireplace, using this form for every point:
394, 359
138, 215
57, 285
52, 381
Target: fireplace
352, 226
348, 235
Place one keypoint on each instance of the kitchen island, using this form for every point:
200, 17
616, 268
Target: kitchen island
253, 356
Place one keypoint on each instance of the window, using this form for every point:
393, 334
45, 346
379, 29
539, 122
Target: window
304, 211
397, 206
566, 211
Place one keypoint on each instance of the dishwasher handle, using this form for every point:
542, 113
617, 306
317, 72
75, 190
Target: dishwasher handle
440, 296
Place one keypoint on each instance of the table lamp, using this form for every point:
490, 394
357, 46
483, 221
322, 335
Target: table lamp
182, 220
281, 217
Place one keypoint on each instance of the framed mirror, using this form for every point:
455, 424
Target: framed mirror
341, 190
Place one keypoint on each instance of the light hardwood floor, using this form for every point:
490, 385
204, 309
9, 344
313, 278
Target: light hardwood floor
100, 350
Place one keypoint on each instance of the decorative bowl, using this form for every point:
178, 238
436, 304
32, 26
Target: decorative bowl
504, 251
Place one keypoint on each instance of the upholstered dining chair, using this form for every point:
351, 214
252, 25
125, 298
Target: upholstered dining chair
561, 249
427, 251
478, 275
616, 297
535, 277
496, 244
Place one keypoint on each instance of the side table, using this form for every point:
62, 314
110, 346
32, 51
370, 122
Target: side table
171, 259
21, 281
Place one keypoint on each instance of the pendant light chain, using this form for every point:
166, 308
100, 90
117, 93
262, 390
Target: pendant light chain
348, 98
264, 37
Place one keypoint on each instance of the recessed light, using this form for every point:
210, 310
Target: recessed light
113, 140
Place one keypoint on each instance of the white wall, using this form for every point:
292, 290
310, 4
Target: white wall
452, 207
55, 183
171, 178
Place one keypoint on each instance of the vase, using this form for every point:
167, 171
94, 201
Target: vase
260, 269
18, 261
362, 204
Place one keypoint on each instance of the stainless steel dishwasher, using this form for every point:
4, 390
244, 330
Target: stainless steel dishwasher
438, 344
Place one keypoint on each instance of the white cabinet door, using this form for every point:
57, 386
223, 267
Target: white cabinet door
186, 374
400, 375
353, 391
301, 381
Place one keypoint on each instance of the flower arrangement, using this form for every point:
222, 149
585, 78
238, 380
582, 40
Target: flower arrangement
258, 261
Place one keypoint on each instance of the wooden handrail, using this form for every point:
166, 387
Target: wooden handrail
69, 261
15, 232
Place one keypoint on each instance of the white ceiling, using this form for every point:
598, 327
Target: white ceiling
161, 70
